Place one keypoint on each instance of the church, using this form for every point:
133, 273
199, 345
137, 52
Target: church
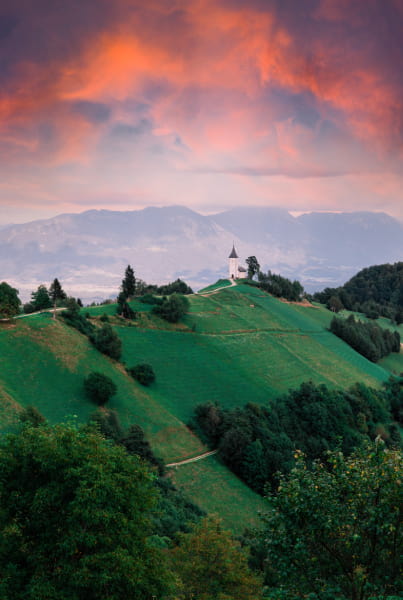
235, 270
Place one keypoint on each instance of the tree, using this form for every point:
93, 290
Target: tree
40, 298
253, 266
99, 387
75, 518
107, 341
172, 308
334, 530
143, 373
124, 307
334, 304
9, 301
128, 283
211, 565
56, 294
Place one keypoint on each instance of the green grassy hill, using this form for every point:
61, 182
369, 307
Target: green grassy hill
236, 345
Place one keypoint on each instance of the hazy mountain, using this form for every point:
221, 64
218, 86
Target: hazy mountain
88, 252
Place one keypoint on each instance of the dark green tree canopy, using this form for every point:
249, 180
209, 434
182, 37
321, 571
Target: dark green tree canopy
143, 373
99, 388
40, 298
56, 291
9, 301
334, 530
212, 566
253, 266
107, 341
172, 308
128, 283
74, 519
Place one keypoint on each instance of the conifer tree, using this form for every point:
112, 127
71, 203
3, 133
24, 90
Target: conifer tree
128, 283
56, 293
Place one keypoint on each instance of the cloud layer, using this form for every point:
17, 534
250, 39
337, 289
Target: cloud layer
208, 103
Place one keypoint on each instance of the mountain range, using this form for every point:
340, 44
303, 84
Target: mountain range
88, 252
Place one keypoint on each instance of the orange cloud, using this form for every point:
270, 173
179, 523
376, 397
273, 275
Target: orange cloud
215, 63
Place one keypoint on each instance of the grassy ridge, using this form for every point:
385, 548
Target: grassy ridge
235, 346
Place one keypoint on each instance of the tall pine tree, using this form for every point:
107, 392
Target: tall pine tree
128, 283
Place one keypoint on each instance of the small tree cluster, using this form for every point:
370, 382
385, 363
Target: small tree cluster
279, 286
143, 373
368, 339
172, 308
107, 341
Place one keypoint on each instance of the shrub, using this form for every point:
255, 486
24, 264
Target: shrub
143, 373
172, 308
107, 341
99, 387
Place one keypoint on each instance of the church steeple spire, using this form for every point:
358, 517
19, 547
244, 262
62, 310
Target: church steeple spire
233, 252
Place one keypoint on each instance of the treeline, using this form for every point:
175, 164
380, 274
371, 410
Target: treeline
258, 442
278, 286
368, 339
375, 291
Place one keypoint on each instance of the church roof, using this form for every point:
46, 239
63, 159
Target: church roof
242, 269
233, 253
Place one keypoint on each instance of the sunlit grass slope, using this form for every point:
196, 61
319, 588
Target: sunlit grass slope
243, 345
43, 363
236, 345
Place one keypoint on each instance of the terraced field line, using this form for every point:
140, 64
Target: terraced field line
194, 459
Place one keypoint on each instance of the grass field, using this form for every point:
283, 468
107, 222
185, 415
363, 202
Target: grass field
209, 482
235, 346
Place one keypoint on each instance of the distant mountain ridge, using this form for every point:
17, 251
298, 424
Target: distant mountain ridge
89, 251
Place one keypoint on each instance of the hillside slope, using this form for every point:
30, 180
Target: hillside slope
236, 345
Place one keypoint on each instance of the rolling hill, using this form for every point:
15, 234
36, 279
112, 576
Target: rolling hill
236, 345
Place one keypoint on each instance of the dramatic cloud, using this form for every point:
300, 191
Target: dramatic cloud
207, 103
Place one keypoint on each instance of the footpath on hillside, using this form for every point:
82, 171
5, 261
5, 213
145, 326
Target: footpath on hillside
223, 287
191, 460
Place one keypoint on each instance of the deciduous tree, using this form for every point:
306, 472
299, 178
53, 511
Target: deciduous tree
99, 387
334, 530
74, 519
253, 266
9, 301
211, 565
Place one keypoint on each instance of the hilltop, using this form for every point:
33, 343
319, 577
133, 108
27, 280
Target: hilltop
236, 345
89, 250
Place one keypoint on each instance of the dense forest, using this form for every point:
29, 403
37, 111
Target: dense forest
258, 443
368, 339
375, 291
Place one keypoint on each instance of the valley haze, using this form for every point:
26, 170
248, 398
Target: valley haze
89, 251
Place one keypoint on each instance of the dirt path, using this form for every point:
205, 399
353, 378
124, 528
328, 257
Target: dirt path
194, 459
233, 282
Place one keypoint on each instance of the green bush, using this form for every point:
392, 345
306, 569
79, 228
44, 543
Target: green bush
99, 387
143, 373
107, 341
172, 308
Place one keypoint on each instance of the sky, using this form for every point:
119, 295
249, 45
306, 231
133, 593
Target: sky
211, 104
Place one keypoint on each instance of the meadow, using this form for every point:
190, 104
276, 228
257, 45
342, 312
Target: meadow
236, 345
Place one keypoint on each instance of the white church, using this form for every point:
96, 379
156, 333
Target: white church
235, 270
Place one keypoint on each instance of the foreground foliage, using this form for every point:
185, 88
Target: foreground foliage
335, 530
74, 519
211, 565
